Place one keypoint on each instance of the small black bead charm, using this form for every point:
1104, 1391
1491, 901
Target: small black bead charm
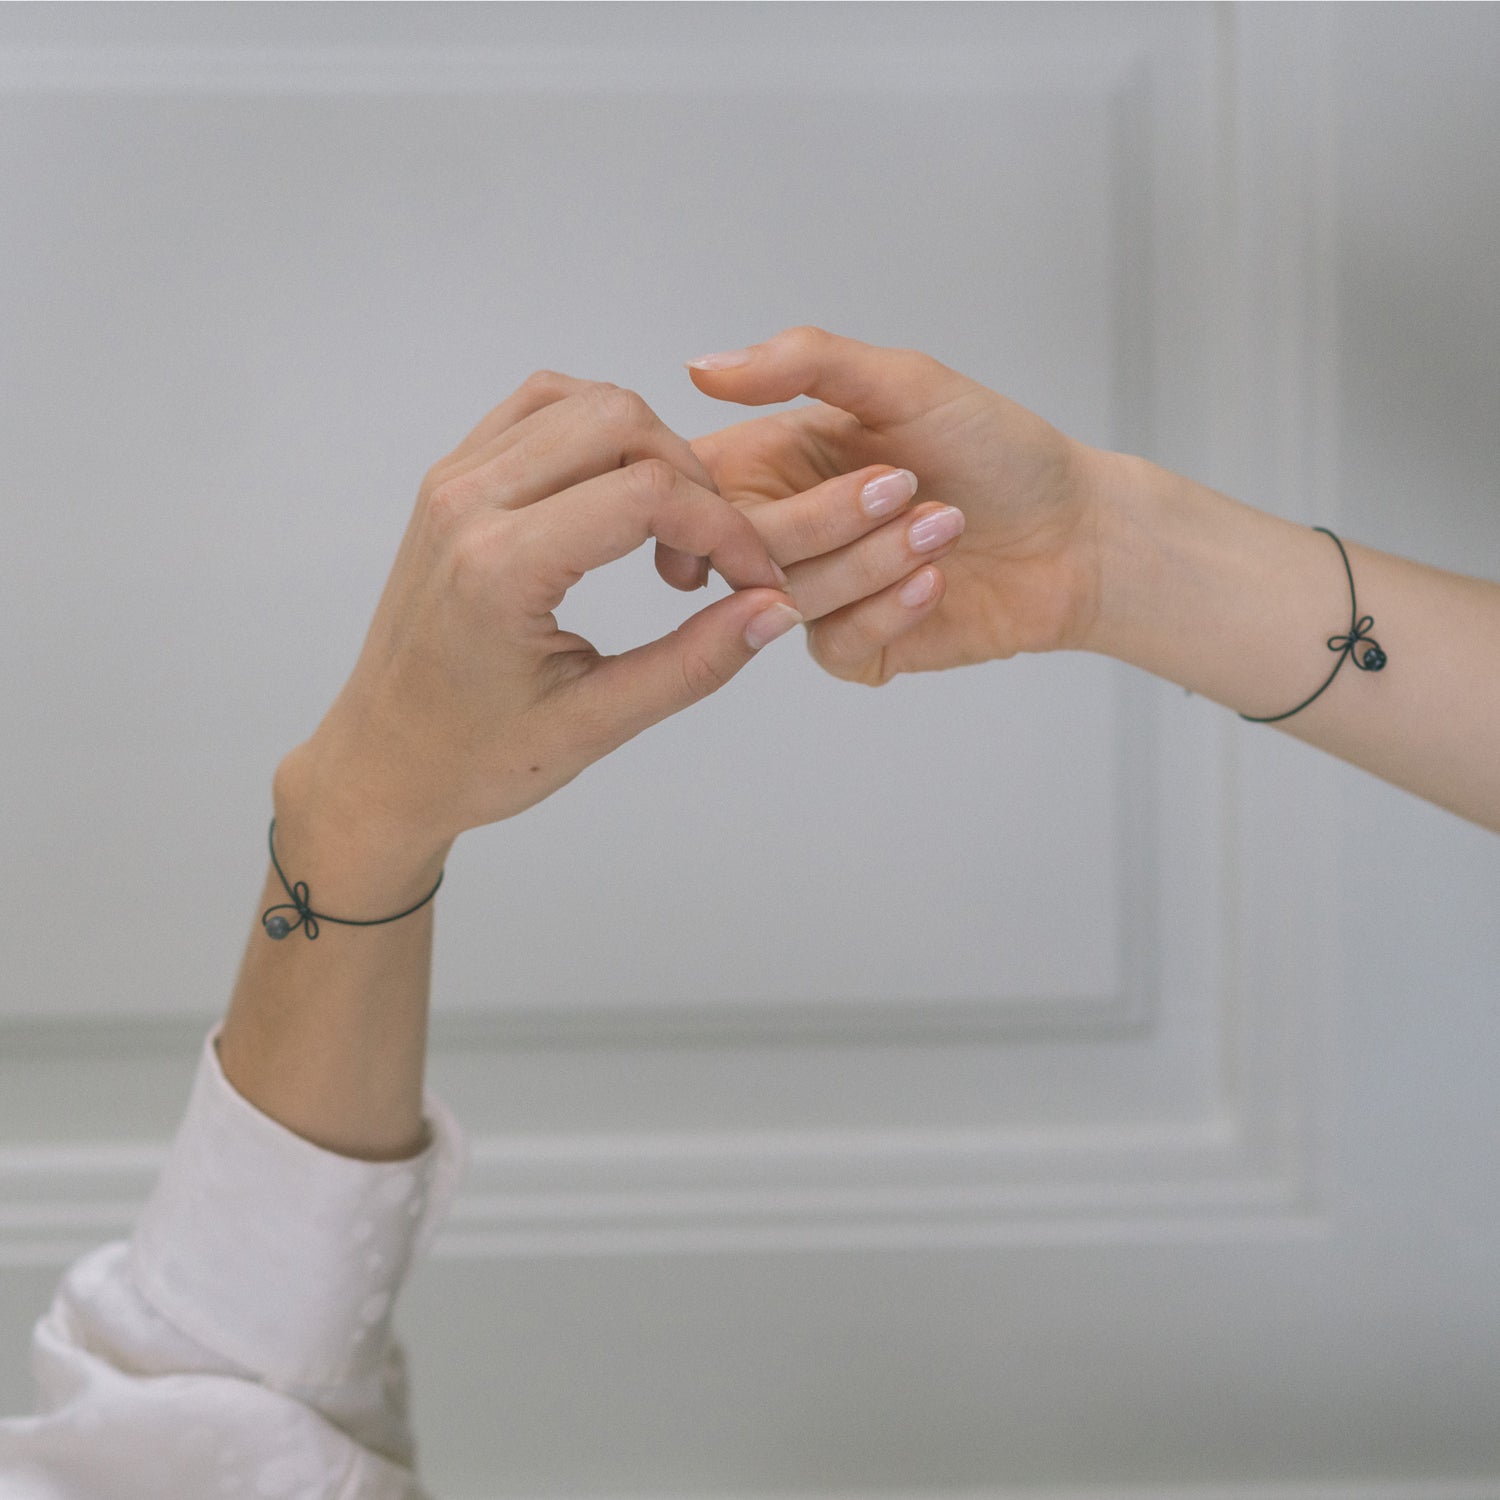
277, 927
1358, 645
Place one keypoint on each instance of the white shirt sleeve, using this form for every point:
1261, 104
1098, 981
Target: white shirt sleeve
239, 1345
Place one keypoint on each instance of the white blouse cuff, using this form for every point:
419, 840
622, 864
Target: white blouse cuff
281, 1256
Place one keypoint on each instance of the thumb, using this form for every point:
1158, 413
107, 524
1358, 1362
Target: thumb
628, 693
882, 387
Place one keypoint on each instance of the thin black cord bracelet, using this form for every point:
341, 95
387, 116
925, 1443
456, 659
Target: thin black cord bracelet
278, 926
1371, 660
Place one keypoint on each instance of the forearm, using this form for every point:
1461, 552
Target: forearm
253, 1301
1238, 605
328, 1037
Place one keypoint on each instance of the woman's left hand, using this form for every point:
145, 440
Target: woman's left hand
842, 539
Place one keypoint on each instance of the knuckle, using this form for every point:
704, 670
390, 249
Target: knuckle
925, 367
448, 499
803, 339
702, 675
432, 482
648, 480
478, 556
922, 372
618, 408
548, 383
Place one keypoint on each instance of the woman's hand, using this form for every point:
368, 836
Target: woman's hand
469, 703
1024, 576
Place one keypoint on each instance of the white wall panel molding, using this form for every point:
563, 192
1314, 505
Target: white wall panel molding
654, 1196
751, 1190
56, 1202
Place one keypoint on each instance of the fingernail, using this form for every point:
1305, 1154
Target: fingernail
890, 492
918, 589
781, 577
724, 361
932, 531
770, 623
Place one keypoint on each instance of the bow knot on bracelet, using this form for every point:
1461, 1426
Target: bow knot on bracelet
278, 927
1374, 658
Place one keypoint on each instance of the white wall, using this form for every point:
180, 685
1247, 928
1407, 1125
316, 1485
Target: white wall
1102, 1093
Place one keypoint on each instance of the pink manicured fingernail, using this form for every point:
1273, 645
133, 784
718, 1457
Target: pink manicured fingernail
890, 492
932, 531
918, 589
770, 623
724, 361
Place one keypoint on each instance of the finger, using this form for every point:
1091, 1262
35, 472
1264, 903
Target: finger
884, 388
576, 428
853, 642
681, 569
875, 562
770, 456
832, 514
540, 388
604, 518
630, 692
818, 521
564, 442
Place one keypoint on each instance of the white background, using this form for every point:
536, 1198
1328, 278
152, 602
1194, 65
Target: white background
1019, 1078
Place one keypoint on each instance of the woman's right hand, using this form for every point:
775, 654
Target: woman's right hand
1023, 577
469, 703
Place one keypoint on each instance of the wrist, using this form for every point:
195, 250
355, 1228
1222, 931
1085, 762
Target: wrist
337, 830
1127, 502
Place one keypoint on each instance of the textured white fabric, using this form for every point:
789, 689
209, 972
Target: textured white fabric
239, 1347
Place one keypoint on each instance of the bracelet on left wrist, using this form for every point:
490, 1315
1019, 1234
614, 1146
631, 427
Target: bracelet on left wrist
284, 917
357, 863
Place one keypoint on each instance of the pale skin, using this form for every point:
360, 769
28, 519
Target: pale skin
468, 704
1074, 548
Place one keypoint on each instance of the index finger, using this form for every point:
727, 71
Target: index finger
593, 428
587, 427
559, 539
540, 388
